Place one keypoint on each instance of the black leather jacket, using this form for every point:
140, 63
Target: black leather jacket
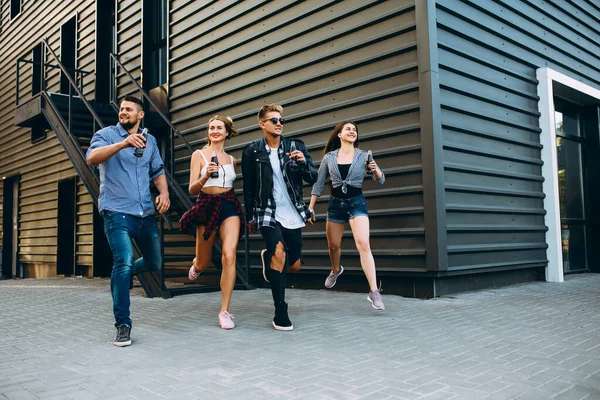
257, 174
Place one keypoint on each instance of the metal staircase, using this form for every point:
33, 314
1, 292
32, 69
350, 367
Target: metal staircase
74, 119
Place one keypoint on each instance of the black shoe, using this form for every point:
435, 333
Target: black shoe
282, 322
123, 337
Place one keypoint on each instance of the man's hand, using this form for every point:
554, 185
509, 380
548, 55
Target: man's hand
134, 140
298, 155
162, 203
252, 226
313, 217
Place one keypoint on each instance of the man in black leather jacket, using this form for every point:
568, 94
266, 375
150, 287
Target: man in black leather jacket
273, 169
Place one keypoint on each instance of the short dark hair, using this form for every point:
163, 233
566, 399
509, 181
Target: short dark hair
135, 100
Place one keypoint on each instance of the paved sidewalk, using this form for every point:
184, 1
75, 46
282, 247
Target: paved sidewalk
533, 341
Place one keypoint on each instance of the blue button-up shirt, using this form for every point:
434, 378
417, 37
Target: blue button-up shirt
125, 178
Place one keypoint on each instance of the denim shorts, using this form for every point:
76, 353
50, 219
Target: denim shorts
343, 210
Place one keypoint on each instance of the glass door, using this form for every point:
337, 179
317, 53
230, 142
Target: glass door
569, 146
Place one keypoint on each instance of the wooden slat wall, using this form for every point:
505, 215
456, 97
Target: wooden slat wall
84, 236
43, 164
324, 62
488, 53
129, 44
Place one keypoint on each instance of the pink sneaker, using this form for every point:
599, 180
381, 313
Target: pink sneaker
226, 320
193, 274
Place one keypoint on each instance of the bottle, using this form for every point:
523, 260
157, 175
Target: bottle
369, 161
293, 161
139, 152
214, 159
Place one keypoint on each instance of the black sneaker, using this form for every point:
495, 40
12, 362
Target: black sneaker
123, 337
282, 322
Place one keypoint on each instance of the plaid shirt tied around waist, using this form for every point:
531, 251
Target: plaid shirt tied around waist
206, 212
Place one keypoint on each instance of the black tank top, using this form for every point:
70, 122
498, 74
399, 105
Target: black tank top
351, 190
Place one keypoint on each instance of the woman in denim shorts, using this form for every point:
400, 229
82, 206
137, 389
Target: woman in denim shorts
345, 165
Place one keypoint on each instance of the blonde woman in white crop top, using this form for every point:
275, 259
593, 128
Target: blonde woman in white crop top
217, 211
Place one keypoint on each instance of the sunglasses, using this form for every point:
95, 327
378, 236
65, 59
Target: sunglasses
274, 120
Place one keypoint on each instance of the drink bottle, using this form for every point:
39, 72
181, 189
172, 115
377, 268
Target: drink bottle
138, 152
369, 160
214, 159
293, 161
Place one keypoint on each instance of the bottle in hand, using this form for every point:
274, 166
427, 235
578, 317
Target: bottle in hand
139, 152
293, 161
369, 161
214, 159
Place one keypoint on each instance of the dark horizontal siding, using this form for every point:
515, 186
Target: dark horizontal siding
324, 62
489, 51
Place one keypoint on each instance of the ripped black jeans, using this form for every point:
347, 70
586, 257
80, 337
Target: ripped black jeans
290, 238
292, 242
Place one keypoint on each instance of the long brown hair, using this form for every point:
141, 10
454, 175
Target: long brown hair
228, 127
334, 141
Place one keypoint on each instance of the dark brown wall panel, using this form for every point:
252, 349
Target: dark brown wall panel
489, 52
324, 63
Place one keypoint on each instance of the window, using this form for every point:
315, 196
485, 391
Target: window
68, 50
15, 8
38, 133
571, 145
105, 44
37, 70
155, 43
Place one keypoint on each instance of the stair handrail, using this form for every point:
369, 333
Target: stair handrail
172, 127
74, 85
147, 97
81, 72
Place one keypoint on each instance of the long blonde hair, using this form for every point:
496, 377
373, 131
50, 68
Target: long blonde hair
228, 126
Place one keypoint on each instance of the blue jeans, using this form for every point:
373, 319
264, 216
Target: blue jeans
120, 229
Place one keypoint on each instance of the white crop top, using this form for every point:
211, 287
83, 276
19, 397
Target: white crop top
226, 174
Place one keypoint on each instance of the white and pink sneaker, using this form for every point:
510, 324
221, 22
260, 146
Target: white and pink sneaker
226, 320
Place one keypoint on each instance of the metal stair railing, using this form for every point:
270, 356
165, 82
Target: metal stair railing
87, 174
173, 131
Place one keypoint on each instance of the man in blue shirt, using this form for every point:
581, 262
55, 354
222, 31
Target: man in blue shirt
126, 204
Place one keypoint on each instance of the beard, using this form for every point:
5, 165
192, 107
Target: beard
127, 125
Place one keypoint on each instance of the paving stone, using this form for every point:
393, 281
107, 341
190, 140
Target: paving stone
21, 394
531, 341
